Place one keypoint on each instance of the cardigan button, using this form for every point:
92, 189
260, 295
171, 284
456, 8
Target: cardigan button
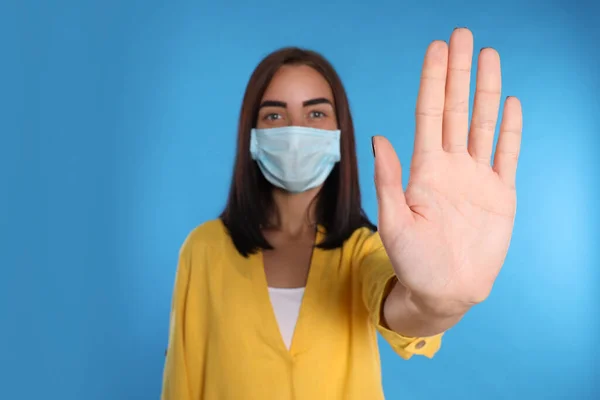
420, 345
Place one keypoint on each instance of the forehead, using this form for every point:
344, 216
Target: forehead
297, 83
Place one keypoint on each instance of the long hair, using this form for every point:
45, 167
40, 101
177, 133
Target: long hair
250, 201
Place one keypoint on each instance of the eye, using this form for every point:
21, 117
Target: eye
317, 114
272, 117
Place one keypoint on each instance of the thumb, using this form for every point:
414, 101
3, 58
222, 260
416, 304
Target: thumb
393, 211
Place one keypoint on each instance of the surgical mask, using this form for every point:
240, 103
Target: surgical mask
295, 158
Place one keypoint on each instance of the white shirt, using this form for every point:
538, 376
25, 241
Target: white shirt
286, 305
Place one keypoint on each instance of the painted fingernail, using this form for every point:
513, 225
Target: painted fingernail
373, 145
460, 27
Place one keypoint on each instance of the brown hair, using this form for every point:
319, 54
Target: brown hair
250, 202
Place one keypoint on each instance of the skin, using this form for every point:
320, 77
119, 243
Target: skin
448, 233
293, 229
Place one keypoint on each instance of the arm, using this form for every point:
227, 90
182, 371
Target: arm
176, 385
406, 314
381, 292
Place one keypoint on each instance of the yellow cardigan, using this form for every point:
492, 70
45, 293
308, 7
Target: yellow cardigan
225, 344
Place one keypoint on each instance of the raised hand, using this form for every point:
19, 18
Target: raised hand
448, 234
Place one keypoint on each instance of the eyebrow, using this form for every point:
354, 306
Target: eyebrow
320, 100
283, 104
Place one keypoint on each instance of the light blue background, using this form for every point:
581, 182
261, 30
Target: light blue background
118, 125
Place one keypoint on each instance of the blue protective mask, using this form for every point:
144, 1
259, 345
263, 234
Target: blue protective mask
295, 158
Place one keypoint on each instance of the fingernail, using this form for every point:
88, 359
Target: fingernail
373, 145
460, 27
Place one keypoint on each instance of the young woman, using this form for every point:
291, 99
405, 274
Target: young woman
282, 296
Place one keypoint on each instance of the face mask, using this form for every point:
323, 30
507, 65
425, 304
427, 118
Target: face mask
295, 158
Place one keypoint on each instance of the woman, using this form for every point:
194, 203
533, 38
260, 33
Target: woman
282, 296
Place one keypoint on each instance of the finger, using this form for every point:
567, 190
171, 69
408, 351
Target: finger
509, 141
388, 183
486, 106
430, 102
456, 107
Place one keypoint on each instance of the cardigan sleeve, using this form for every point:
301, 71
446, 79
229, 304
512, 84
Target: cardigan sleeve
377, 277
176, 383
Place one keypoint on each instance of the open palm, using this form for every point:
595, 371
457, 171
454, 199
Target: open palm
448, 234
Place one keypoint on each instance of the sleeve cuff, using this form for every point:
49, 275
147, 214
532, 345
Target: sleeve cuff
404, 346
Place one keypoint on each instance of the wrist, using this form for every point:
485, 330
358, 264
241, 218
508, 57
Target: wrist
412, 316
434, 307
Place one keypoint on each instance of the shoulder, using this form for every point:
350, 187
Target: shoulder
363, 241
206, 237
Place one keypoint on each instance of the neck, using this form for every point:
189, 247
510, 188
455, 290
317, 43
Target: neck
295, 211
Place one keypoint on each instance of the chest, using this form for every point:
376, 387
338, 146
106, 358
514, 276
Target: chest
256, 297
288, 265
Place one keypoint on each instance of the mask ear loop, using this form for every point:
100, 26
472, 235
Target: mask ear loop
253, 144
